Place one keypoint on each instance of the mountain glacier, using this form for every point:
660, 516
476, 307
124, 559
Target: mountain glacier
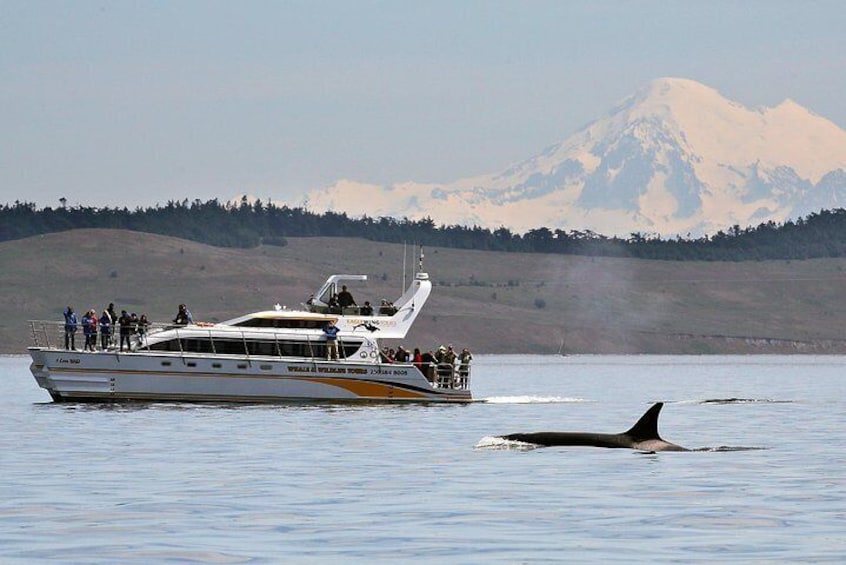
675, 158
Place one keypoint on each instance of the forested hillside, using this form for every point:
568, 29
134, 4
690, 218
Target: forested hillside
487, 300
249, 225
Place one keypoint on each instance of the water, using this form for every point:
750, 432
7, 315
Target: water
338, 483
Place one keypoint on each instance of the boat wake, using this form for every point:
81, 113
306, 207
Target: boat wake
531, 400
729, 448
732, 401
744, 401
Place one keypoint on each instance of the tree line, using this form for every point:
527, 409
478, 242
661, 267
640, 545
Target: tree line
249, 224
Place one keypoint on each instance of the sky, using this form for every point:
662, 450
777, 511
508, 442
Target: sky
134, 103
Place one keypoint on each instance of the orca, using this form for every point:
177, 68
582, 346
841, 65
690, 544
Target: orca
643, 436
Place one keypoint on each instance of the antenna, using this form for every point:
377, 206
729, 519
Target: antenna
403, 268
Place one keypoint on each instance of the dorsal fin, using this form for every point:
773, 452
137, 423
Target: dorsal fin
647, 427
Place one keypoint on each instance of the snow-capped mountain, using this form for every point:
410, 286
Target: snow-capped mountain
674, 158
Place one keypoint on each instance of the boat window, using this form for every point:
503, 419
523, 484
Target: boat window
327, 294
296, 323
261, 347
266, 348
201, 345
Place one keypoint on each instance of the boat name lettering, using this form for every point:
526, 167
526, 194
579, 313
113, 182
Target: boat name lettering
328, 370
65, 360
380, 323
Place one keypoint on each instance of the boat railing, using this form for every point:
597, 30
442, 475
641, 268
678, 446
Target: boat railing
46, 334
51, 335
448, 375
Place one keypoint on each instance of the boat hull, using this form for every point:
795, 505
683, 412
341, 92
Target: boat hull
75, 376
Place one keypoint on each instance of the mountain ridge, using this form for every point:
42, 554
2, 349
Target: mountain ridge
674, 158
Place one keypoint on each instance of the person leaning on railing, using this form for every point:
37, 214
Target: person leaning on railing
143, 326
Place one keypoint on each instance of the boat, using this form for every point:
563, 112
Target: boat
276, 355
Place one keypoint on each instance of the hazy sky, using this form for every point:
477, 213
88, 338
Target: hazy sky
137, 102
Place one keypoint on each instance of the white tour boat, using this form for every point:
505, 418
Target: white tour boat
271, 356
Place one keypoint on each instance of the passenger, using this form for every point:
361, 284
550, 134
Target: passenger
113, 318
450, 356
439, 354
464, 359
112, 315
125, 322
367, 309
345, 298
401, 356
89, 329
387, 355
143, 326
133, 326
334, 305
183, 316
331, 333
105, 330
71, 325
417, 359
387, 308
429, 361
310, 301
446, 366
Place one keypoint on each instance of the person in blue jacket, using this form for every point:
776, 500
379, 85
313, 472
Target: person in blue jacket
89, 330
71, 325
331, 332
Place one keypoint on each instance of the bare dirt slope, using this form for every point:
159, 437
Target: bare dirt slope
490, 302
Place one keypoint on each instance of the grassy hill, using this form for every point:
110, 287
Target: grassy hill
488, 301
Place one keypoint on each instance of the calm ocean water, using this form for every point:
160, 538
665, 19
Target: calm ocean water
152, 483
